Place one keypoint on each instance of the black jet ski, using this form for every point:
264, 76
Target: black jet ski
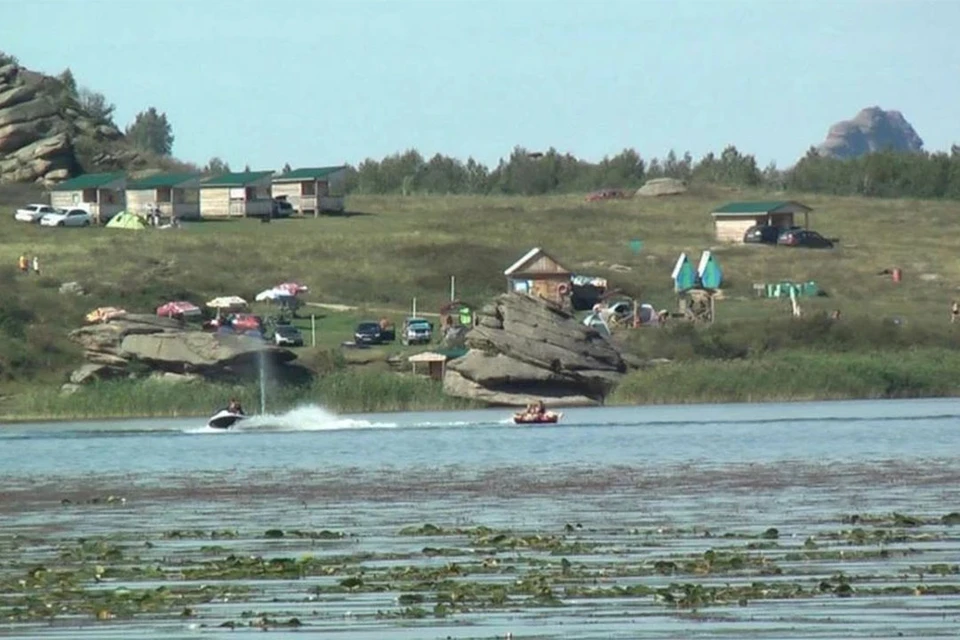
224, 419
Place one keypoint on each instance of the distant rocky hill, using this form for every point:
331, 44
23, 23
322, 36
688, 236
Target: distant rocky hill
873, 129
46, 135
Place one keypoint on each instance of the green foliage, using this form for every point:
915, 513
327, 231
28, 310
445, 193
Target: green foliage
151, 131
215, 166
96, 105
6, 58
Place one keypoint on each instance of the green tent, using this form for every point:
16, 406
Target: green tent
126, 220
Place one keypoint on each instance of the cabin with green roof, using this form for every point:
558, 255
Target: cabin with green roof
236, 195
312, 190
173, 195
99, 194
733, 219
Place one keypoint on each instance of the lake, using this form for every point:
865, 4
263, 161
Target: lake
800, 520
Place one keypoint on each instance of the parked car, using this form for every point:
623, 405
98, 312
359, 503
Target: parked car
33, 212
804, 238
374, 333
281, 208
71, 218
416, 331
287, 335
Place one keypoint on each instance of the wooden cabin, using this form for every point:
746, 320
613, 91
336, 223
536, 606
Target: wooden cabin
539, 274
434, 364
733, 219
172, 194
235, 195
99, 194
312, 190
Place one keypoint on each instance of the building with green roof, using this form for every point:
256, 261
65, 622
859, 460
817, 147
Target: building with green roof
172, 194
236, 195
99, 194
733, 219
312, 190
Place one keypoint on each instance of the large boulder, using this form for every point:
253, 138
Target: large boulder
165, 345
873, 129
525, 348
662, 187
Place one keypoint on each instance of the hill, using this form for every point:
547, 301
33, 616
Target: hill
870, 131
395, 249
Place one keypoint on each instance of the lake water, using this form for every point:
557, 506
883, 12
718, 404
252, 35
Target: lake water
610, 513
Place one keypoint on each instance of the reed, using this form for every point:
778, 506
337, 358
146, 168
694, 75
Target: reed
342, 391
796, 375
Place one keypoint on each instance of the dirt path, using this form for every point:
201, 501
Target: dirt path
332, 306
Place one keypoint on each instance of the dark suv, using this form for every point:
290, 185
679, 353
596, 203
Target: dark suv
764, 233
804, 238
373, 333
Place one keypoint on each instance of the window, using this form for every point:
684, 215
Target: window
308, 188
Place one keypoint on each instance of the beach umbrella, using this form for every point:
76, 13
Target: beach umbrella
293, 288
227, 302
178, 308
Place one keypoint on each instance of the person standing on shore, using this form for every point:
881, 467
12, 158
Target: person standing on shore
23, 264
954, 312
36, 265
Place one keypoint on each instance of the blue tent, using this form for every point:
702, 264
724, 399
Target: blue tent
711, 276
684, 275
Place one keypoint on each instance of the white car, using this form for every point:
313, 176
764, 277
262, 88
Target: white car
71, 218
33, 212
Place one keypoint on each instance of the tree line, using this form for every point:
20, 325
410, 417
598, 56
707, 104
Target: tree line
885, 174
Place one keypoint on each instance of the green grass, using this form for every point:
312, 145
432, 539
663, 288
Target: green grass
399, 248
796, 375
349, 391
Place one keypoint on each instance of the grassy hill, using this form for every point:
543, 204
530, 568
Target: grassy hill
392, 249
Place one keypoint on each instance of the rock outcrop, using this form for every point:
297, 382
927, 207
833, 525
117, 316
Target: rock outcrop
131, 343
662, 187
47, 135
525, 348
873, 129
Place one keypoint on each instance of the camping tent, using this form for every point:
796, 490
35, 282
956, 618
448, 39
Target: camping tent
126, 220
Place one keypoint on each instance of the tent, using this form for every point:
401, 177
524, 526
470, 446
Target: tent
178, 308
126, 220
684, 276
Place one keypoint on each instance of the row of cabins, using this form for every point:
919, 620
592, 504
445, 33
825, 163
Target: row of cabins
310, 191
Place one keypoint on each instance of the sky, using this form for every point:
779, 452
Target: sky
313, 83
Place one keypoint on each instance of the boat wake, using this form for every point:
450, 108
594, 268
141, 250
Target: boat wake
303, 418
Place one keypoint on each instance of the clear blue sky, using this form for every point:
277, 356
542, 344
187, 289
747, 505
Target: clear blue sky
264, 82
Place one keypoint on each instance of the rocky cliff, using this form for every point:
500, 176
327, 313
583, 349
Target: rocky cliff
873, 129
134, 343
47, 135
525, 348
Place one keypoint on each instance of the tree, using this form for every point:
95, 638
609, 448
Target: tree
68, 81
96, 105
151, 131
287, 168
216, 166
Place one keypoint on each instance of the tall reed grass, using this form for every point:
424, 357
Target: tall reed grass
342, 391
794, 375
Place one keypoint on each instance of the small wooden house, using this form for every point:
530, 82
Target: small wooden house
539, 274
236, 195
173, 194
435, 364
99, 194
312, 190
733, 219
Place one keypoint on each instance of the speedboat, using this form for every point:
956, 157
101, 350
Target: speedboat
224, 419
548, 417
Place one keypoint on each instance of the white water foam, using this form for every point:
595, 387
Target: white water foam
304, 418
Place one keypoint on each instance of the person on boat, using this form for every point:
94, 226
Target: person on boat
234, 407
540, 409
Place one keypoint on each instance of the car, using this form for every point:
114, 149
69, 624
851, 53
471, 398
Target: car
416, 331
33, 212
373, 333
765, 233
71, 218
280, 208
804, 238
287, 335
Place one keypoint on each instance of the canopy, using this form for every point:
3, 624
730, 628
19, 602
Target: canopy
126, 220
293, 288
178, 308
227, 302
273, 294
103, 314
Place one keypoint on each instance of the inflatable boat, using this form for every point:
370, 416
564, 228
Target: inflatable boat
547, 418
224, 419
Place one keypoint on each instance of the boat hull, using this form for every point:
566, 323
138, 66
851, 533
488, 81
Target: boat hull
224, 420
548, 418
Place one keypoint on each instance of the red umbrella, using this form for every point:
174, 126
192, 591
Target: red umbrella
178, 308
293, 288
